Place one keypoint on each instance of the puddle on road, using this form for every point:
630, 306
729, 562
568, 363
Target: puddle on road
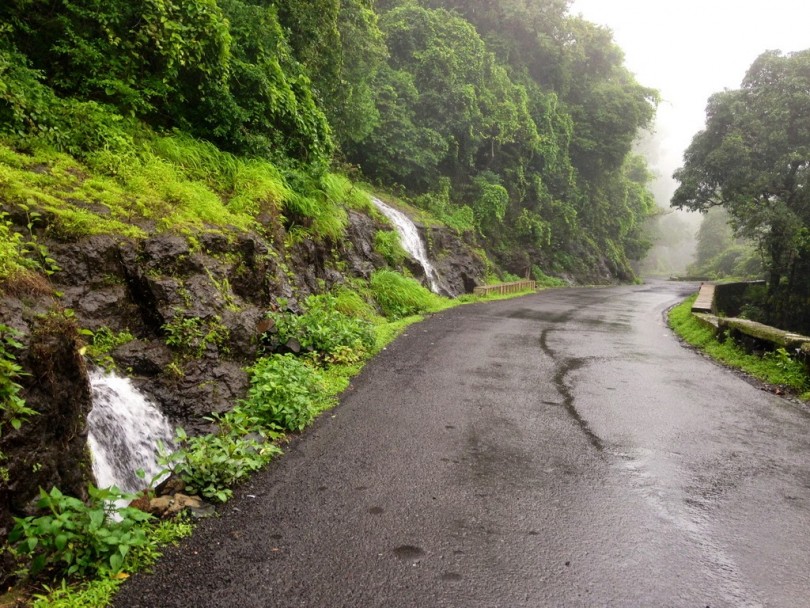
651, 475
409, 552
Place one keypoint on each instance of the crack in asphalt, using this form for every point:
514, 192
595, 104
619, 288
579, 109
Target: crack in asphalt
564, 367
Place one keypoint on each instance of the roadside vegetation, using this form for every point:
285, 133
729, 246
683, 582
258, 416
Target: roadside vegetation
776, 368
89, 553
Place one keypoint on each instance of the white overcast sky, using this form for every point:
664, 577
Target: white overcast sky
689, 49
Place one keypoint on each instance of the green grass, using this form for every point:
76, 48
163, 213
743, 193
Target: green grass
399, 296
774, 368
170, 183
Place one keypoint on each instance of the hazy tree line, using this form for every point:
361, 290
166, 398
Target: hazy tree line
512, 117
753, 159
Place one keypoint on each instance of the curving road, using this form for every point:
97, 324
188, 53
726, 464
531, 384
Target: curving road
560, 449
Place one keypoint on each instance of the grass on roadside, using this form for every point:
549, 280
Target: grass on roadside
776, 368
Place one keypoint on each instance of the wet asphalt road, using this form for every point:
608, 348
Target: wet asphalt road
560, 449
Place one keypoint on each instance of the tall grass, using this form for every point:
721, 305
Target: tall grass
199, 160
258, 188
399, 296
388, 244
316, 206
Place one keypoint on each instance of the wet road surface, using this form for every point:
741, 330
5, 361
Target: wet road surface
560, 449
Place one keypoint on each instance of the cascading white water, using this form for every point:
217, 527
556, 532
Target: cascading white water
125, 431
411, 242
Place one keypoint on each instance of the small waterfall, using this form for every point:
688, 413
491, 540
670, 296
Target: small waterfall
411, 242
124, 433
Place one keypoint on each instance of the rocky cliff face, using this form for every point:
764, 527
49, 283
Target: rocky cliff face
194, 308
455, 259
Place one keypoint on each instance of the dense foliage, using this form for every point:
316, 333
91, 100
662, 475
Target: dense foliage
753, 158
77, 538
720, 254
514, 119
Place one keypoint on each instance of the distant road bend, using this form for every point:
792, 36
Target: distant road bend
560, 449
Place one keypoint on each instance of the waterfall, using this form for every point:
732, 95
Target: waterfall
411, 242
125, 430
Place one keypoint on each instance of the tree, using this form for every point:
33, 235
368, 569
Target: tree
719, 253
753, 158
270, 109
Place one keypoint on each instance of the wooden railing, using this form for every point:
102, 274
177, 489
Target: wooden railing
504, 288
705, 299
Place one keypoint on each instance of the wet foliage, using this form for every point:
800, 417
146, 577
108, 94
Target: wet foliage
753, 159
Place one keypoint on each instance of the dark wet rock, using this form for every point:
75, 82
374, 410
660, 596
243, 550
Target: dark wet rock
166, 295
197, 389
101, 304
91, 261
358, 248
257, 276
141, 293
142, 357
243, 331
201, 296
169, 254
215, 242
454, 258
292, 346
171, 485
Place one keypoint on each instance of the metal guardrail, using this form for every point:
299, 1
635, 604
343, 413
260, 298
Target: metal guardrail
505, 288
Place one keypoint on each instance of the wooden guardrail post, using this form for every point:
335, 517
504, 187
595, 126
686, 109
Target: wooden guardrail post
505, 288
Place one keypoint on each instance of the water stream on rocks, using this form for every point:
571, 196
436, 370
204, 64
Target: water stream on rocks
412, 243
125, 431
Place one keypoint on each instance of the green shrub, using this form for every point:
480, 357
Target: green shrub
200, 160
13, 410
399, 296
20, 253
793, 372
103, 342
352, 304
91, 594
30, 111
12, 250
285, 393
325, 331
258, 188
190, 336
80, 539
211, 464
776, 368
459, 217
316, 205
